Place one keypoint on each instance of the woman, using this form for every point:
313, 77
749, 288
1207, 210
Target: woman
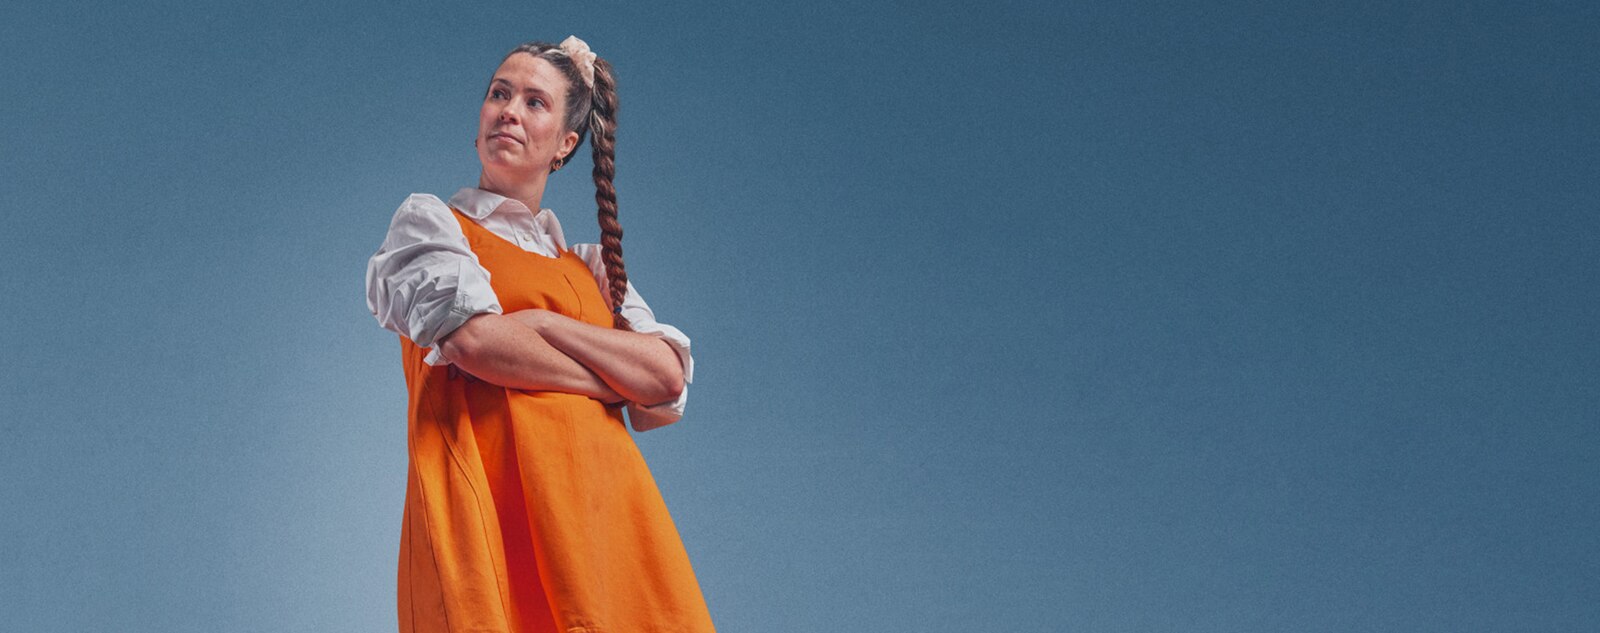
528, 507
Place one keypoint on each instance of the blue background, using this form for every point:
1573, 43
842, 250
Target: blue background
1023, 316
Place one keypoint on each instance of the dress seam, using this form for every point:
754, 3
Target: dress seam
411, 568
455, 458
444, 609
575, 294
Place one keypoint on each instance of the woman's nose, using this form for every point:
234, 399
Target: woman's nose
509, 114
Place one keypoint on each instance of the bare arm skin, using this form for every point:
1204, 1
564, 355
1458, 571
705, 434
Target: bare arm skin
506, 352
641, 367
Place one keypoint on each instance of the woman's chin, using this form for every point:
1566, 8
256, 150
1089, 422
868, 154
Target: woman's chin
506, 166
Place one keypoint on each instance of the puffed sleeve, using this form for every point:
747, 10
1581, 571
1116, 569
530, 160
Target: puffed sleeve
643, 320
425, 281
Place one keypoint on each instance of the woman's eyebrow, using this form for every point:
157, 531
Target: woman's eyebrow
508, 84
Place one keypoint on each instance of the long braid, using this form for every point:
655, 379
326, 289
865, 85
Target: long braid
603, 140
593, 113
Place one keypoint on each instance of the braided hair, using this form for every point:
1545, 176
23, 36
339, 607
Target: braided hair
594, 111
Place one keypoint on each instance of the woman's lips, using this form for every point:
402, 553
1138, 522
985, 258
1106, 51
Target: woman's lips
504, 136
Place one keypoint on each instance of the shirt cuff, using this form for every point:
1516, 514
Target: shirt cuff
642, 417
459, 313
677, 339
645, 418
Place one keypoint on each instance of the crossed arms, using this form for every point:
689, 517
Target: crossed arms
539, 350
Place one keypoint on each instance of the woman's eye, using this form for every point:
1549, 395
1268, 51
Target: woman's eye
535, 103
497, 94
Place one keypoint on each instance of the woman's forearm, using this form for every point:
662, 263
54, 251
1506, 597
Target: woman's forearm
640, 367
506, 352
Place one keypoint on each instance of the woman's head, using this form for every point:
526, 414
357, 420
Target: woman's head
547, 68
571, 108
522, 128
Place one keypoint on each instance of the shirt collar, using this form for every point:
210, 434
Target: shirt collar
479, 204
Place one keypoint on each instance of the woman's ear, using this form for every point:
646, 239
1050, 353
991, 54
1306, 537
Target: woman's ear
568, 143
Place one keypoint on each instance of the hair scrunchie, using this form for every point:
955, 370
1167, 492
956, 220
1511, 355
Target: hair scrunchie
578, 51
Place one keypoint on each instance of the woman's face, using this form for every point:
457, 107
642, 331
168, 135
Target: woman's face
520, 131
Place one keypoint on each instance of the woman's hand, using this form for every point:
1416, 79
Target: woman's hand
642, 368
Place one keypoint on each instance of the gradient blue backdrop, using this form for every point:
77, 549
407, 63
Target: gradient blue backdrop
1021, 316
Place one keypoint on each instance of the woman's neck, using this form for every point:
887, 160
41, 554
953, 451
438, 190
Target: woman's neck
529, 192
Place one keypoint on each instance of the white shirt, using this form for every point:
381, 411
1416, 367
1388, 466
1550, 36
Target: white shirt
425, 281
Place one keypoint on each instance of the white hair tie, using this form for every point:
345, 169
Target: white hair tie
578, 51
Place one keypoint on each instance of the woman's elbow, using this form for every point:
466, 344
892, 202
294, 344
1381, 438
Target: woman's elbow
669, 374
461, 344
671, 385
673, 390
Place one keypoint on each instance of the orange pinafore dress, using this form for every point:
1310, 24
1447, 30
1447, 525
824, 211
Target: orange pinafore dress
533, 511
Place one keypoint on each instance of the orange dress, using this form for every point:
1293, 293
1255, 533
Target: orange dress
533, 511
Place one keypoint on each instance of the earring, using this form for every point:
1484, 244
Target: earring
555, 165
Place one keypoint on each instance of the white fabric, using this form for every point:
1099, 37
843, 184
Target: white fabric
425, 281
579, 52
